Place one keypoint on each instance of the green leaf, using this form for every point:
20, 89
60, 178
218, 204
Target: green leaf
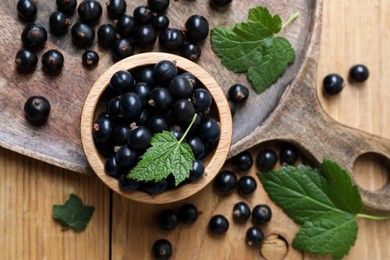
167, 155
253, 47
324, 201
73, 214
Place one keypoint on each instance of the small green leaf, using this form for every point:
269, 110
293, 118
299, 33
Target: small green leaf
253, 47
73, 214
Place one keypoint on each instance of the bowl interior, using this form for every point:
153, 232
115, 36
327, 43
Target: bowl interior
95, 104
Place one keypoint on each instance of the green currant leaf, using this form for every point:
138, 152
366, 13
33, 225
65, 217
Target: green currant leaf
73, 214
253, 47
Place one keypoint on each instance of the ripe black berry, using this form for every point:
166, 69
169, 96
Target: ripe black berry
127, 184
66, 6
126, 157
201, 99
37, 109
154, 188
145, 36
52, 61
106, 35
177, 131
131, 106
196, 28
218, 225
261, 214
171, 39
26, 60
238, 93
142, 15
243, 161
333, 84
266, 160
197, 171
27, 10
143, 90
254, 236
103, 129
191, 51
122, 81
180, 87
246, 185
122, 48
160, 22
125, 26
116, 8
34, 36
90, 11
111, 167
197, 146
139, 138
168, 219
157, 124
188, 213
82, 34
162, 249
288, 155
164, 71
146, 75
160, 98
158, 6
358, 73
122, 133
59, 23
90, 58
241, 212
209, 130
225, 182
183, 110
220, 2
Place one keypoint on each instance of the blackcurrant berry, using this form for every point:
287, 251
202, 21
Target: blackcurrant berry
131, 106
111, 167
106, 35
209, 130
26, 60
246, 185
180, 87
177, 131
154, 188
143, 90
146, 114
202, 99
358, 73
66, 6
225, 182
238, 93
127, 184
90, 11
146, 75
196, 28
254, 236
140, 137
171, 39
168, 219
116, 8
158, 6
162, 249
157, 124
142, 15
241, 212
122, 48
34, 36
126, 157
160, 22
188, 213
191, 51
82, 34
288, 155
197, 171
261, 214
243, 161
59, 23
333, 84
218, 225
122, 82
220, 2
27, 10
266, 160
164, 71
160, 98
197, 146
145, 36
190, 77
52, 61
37, 109
125, 26
183, 110
90, 58
122, 134
103, 129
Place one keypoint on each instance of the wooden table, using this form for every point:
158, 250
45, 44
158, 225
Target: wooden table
353, 32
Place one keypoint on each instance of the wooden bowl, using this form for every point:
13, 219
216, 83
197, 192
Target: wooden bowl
213, 162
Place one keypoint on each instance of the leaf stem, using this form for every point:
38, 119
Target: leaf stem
292, 18
188, 128
372, 217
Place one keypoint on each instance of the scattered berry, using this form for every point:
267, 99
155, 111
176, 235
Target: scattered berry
241, 212
142, 15
288, 155
238, 93
333, 84
26, 60
246, 185
196, 28
254, 236
52, 61
243, 161
59, 23
66, 6
116, 8
358, 73
27, 10
37, 109
125, 26
106, 35
220, 2
218, 225
225, 182
90, 58
145, 36
34, 36
168, 219
191, 51
188, 213
90, 11
171, 39
160, 22
82, 34
162, 249
122, 48
158, 6
261, 214
266, 160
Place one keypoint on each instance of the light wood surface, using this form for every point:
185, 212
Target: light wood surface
353, 32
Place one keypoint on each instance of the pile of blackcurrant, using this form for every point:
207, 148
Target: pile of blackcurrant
149, 100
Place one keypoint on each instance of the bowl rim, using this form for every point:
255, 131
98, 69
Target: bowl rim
149, 58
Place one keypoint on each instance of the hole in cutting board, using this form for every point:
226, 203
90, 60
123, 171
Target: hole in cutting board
371, 171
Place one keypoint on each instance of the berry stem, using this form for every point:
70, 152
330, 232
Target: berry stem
373, 217
188, 128
292, 18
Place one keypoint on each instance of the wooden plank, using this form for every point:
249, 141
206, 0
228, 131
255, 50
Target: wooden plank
28, 190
